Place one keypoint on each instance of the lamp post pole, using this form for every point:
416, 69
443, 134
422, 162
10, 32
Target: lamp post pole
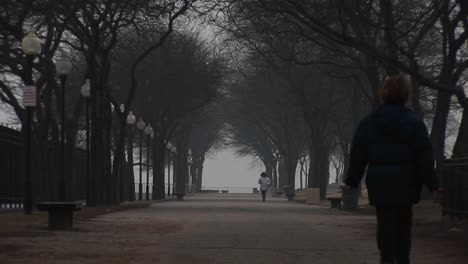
31, 46
88, 147
131, 180
86, 93
174, 158
28, 196
189, 173
169, 146
149, 133
141, 127
63, 81
140, 184
147, 167
63, 67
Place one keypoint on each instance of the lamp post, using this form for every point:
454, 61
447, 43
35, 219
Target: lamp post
148, 132
131, 119
189, 174
174, 151
86, 93
63, 67
141, 126
31, 46
169, 151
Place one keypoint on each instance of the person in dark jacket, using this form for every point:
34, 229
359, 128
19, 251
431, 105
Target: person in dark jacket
392, 148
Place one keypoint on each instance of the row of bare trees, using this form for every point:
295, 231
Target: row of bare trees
136, 56
324, 61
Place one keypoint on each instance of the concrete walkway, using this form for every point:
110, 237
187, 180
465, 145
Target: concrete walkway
215, 228
241, 229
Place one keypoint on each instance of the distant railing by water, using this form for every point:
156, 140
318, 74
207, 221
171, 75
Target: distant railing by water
226, 189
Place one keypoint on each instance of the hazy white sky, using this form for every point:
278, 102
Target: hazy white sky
227, 170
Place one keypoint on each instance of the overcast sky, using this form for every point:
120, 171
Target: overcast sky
227, 170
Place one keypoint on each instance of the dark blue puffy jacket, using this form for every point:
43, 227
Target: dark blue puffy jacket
393, 144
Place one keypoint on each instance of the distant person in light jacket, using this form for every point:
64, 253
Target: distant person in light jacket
392, 143
265, 183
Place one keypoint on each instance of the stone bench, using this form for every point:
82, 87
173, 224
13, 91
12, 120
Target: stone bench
60, 213
300, 196
308, 196
335, 202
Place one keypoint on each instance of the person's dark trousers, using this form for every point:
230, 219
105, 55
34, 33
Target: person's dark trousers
394, 233
264, 195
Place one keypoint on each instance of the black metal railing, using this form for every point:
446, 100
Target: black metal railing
44, 167
454, 175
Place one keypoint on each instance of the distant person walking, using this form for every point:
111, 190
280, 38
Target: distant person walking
265, 183
392, 143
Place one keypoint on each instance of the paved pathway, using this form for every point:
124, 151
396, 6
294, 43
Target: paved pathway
241, 229
214, 229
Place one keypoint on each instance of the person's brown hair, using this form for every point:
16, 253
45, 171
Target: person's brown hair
396, 89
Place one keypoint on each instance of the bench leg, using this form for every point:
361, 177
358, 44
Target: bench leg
59, 220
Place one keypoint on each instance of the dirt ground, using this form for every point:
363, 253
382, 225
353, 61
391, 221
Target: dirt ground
222, 229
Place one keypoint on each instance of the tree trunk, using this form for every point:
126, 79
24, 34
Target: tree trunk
118, 170
194, 176
159, 156
290, 167
319, 168
275, 175
100, 137
181, 161
301, 173
282, 174
461, 144
439, 125
199, 167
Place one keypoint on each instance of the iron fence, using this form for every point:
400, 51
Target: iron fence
226, 189
454, 175
45, 171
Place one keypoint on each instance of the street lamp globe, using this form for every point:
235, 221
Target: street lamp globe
141, 124
63, 67
148, 130
131, 118
86, 89
31, 44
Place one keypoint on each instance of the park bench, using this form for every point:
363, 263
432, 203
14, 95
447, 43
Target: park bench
60, 213
335, 202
